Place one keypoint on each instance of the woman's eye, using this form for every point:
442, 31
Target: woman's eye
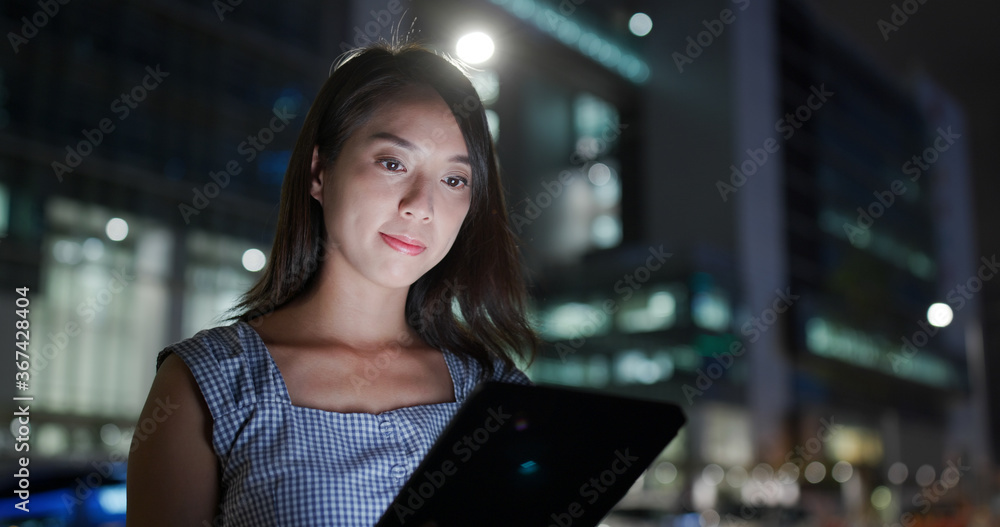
391, 164
456, 182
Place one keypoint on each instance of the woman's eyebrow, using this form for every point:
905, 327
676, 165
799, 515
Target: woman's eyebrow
403, 143
396, 140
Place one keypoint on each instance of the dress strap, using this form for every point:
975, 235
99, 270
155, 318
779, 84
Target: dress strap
231, 366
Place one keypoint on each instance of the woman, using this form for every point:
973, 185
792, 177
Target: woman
392, 289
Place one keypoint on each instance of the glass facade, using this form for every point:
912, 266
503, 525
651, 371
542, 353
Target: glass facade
144, 149
101, 306
860, 218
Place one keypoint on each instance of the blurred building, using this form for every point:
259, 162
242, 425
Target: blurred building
813, 209
143, 147
687, 203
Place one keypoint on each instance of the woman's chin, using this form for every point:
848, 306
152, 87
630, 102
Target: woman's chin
399, 279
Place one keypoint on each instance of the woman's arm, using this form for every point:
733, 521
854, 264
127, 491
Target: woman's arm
173, 473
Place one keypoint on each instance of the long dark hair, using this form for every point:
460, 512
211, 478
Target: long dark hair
481, 274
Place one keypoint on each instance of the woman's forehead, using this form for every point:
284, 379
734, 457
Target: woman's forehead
415, 119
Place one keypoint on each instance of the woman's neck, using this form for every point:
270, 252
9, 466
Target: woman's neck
347, 310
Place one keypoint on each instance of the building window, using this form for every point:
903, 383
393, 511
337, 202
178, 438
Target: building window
214, 277
101, 313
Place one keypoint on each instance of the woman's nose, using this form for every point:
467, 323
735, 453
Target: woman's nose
418, 203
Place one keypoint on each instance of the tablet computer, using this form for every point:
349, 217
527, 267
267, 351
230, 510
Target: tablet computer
518, 455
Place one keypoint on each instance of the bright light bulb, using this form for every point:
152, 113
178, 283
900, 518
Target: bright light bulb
939, 315
475, 47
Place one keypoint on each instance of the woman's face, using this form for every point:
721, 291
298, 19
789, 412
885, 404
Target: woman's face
396, 196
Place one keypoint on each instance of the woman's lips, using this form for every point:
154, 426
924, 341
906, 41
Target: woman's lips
411, 247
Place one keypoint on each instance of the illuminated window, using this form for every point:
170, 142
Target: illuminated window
589, 212
597, 129
487, 85
652, 309
101, 311
573, 320
215, 277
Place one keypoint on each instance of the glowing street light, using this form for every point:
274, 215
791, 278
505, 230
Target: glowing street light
475, 47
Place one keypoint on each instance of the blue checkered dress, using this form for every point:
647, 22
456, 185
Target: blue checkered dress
286, 465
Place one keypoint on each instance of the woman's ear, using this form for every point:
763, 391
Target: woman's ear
316, 181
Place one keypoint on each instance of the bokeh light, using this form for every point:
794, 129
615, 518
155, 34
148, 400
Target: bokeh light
737, 476
665, 472
93, 249
788, 473
925, 475
842, 471
881, 498
254, 260
709, 518
475, 48
815, 472
898, 472
116, 229
599, 174
640, 24
939, 315
713, 474
762, 472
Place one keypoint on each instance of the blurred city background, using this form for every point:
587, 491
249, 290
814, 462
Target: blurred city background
775, 213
